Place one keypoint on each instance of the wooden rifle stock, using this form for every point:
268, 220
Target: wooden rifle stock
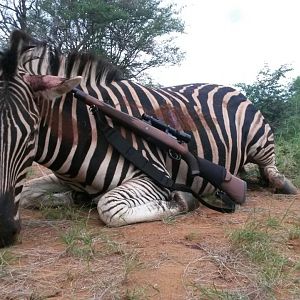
215, 174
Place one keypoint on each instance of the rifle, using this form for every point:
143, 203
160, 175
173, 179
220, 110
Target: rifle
217, 175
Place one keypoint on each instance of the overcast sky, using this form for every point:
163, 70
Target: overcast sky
229, 41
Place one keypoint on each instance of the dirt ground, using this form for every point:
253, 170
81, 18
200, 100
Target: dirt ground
187, 257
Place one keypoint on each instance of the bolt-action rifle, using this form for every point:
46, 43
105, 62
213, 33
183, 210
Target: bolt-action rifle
168, 138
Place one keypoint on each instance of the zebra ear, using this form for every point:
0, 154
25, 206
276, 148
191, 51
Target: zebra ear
51, 86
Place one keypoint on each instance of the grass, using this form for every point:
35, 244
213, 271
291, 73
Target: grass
52, 210
288, 156
169, 220
79, 242
213, 293
273, 222
129, 257
77, 238
260, 262
264, 242
111, 247
294, 232
131, 263
138, 293
61, 213
114, 260
143, 292
6, 257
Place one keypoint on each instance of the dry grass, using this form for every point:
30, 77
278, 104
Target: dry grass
255, 265
202, 255
76, 261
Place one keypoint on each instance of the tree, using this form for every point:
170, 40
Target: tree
270, 94
14, 14
291, 125
135, 35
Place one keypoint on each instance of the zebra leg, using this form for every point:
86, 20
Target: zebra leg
263, 154
276, 180
141, 200
46, 191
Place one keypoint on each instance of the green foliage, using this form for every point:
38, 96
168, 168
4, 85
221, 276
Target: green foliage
279, 102
270, 94
79, 242
61, 213
138, 293
253, 241
294, 232
5, 258
291, 126
111, 246
273, 222
288, 137
288, 156
135, 35
264, 241
169, 220
131, 259
212, 293
131, 263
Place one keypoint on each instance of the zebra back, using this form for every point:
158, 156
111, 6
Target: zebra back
224, 125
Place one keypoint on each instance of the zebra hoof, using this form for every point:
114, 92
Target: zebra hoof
286, 188
279, 182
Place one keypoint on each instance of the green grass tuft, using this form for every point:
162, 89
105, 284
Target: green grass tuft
263, 242
288, 157
79, 242
212, 293
169, 220
61, 213
294, 233
6, 258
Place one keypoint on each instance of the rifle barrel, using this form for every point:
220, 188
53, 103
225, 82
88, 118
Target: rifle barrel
142, 128
215, 174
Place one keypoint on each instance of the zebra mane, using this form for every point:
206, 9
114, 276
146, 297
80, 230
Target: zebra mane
8, 64
91, 68
9, 58
35, 53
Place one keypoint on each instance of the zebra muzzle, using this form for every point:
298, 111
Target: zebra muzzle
9, 231
9, 225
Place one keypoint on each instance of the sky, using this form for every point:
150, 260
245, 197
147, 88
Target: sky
229, 41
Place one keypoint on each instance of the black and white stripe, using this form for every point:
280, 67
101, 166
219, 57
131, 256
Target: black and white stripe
225, 127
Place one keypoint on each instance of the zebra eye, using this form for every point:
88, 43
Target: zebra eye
32, 134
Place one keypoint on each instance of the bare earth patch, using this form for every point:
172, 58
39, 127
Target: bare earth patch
188, 257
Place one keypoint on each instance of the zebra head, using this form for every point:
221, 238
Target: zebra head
21, 95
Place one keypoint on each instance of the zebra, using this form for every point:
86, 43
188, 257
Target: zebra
41, 121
